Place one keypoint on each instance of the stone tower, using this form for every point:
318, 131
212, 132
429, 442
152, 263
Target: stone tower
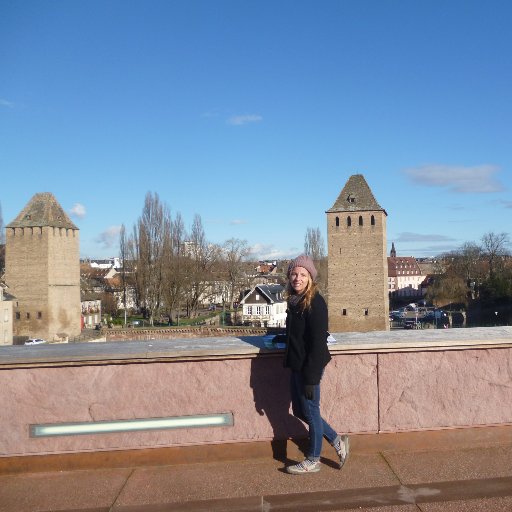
42, 270
357, 260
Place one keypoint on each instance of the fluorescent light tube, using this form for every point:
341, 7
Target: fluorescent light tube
135, 425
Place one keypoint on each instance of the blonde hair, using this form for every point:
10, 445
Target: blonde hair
306, 297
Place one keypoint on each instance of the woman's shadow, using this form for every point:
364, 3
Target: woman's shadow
270, 383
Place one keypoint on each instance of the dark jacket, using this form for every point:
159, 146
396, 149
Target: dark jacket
306, 343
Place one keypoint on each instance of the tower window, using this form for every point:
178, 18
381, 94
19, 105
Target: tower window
372, 220
344, 312
349, 221
360, 220
337, 221
39, 315
365, 311
18, 315
28, 316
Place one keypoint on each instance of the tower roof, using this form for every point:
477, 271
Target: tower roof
356, 196
42, 210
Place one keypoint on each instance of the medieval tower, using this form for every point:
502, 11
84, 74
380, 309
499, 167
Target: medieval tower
357, 260
42, 270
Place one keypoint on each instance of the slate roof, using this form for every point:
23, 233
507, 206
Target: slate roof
272, 292
356, 196
42, 210
403, 265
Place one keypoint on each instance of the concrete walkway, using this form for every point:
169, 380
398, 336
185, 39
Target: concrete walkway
466, 470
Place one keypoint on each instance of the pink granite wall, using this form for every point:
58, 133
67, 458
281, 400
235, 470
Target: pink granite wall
360, 393
432, 390
254, 389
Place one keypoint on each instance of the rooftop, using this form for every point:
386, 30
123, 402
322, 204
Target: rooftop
41, 211
356, 196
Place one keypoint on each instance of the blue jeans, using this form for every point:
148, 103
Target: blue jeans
309, 412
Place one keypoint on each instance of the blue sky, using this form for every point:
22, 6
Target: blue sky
253, 115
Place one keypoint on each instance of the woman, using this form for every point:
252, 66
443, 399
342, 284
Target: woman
307, 355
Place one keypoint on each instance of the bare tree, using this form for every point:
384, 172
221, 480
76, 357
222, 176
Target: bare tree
151, 239
2, 243
123, 254
314, 245
494, 247
175, 269
234, 252
448, 287
202, 257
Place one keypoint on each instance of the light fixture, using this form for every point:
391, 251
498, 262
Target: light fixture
135, 425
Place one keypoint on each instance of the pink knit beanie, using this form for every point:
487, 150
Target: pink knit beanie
305, 262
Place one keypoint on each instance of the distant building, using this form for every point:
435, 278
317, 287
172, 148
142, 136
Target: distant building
108, 263
404, 277
264, 306
91, 312
357, 266
99, 282
42, 270
267, 267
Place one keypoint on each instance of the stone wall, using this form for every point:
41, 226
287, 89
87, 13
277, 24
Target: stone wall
364, 390
118, 334
26, 274
357, 272
43, 273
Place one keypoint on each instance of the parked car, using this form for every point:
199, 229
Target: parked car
412, 323
396, 315
35, 341
437, 317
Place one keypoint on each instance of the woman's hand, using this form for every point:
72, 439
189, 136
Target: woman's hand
309, 391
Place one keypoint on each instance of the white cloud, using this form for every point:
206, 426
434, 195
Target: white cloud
78, 210
407, 236
507, 204
270, 252
237, 222
5, 103
478, 179
245, 119
109, 237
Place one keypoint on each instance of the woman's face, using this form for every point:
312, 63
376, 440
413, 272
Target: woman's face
299, 279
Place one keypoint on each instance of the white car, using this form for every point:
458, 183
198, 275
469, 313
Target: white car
35, 341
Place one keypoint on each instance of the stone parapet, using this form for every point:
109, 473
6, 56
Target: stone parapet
377, 382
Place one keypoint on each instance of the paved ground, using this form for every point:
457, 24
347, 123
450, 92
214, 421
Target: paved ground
466, 470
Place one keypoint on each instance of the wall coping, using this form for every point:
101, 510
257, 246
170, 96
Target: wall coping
231, 347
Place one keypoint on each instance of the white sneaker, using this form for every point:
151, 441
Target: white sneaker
342, 448
306, 466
